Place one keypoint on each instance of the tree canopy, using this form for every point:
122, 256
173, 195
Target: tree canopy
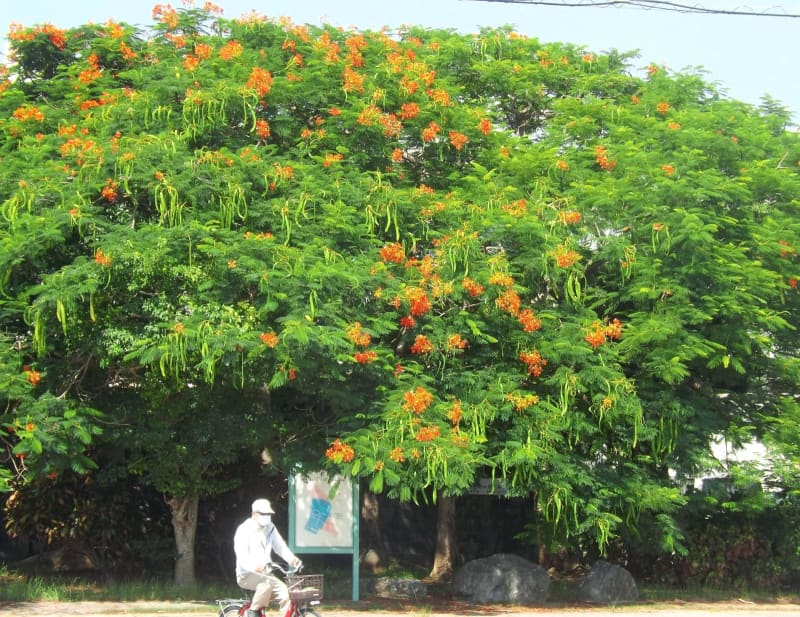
417, 256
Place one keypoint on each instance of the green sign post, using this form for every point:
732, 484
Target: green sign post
323, 516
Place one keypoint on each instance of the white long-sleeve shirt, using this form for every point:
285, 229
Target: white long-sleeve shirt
254, 545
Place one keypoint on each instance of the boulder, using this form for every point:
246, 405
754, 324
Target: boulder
502, 578
607, 583
396, 588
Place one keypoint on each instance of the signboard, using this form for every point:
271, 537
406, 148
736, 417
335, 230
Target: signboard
323, 511
323, 516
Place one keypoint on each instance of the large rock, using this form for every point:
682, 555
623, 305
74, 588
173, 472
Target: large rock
502, 578
606, 583
396, 588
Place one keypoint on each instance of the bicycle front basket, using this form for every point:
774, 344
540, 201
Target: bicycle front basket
305, 586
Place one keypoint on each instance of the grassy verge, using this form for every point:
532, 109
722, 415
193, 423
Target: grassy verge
21, 587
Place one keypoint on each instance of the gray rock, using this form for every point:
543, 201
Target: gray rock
502, 578
397, 588
606, 583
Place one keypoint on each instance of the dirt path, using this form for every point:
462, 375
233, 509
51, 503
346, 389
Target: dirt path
205, 609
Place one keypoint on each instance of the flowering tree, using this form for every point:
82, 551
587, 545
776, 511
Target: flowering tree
459, 256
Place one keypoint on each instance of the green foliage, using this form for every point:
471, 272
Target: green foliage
441, 256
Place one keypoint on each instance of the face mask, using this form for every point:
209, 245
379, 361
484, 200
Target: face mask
262, 520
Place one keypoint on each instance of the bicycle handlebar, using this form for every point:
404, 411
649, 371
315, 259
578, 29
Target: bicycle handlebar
286, 571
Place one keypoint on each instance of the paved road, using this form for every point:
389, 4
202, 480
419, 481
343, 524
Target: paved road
201, 609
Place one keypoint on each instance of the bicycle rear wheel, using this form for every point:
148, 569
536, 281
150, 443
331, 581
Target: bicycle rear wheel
231, 610
305, 611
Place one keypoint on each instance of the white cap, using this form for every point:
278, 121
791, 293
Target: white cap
262, 506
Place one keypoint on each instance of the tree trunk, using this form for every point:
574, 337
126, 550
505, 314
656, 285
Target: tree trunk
375, 547
184, 525
445, 539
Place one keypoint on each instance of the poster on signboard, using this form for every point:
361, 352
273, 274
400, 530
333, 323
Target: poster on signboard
323, 509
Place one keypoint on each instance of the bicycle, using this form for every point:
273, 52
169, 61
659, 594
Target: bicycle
305, 592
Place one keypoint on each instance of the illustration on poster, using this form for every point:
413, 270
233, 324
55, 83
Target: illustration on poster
319, 518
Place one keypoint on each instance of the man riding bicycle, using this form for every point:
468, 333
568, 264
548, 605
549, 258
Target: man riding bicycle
253, 543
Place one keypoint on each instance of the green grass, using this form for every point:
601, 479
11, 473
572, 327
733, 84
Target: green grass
17, 586
21, 587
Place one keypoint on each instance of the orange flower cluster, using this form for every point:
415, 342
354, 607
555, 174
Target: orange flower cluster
422, 345
409, 111
165, 14
231, 50
417, 400
270, 339
459, 440
430, 132
792, 282
102, 259
518, 208
458, 140
418, 299
369, 116
191, 62
260, 80
440, 97
564, 256
599, 333
262, 129
28, 112
397, 155
407, 322
33, 377
662, 107
56, 36
354, 45
455, 413
534, 361
569, 217
391, 125
427, 433
331, 157
522, 402
562, 165
365, 357
786, 249
359, 337
509, 302
110, 191
128, 53
340, 452
176, 39
393, 253
203, 51
485, 126
456, 341
105, 99
614, 329
353, 80
601, 158
530, 322
473, 288
502, 279
397, 455
668, 169
596, 336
